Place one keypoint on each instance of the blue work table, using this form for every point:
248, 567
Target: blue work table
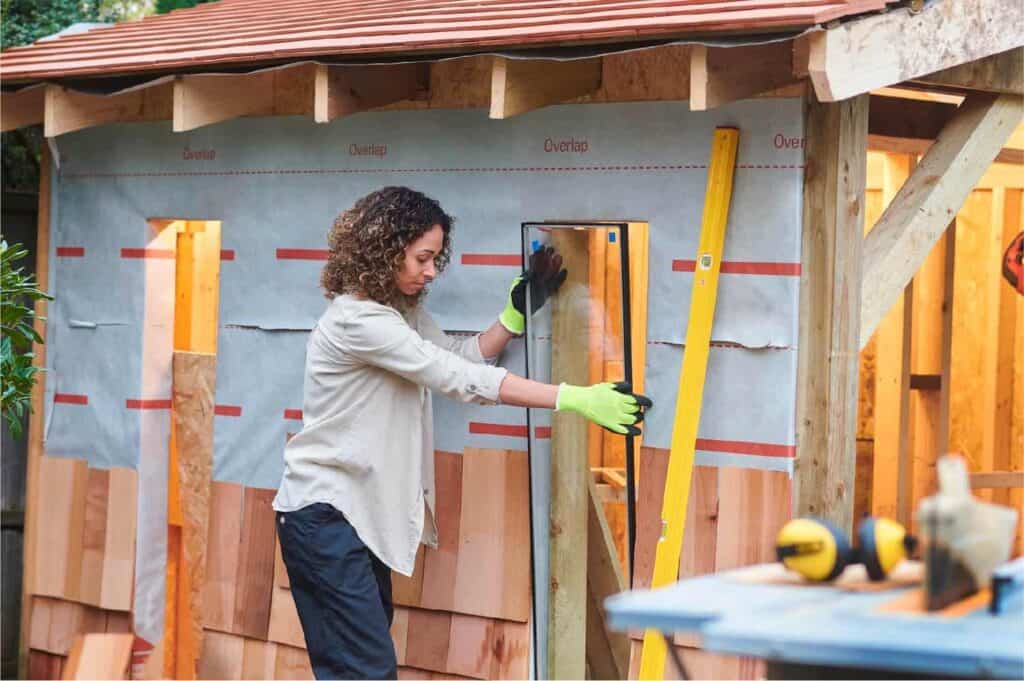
812, 631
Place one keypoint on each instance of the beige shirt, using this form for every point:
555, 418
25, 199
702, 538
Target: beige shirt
366, 445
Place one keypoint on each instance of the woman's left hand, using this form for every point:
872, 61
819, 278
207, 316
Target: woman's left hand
545, 275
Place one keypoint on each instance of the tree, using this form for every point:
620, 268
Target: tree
22, 22
165, 6
18, 295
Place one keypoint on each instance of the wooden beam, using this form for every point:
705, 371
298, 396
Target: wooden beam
67, 110
345, 90
22, 108
833, 215
719, 75
900, 45
1003, 73
205, 99
521, 85
997, 479
895, 249
908, 118
1007, 157
567, 586
36, 416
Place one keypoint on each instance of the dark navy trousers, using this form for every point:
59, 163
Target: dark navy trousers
342, 593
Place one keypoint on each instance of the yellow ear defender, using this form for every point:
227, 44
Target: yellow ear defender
818, 550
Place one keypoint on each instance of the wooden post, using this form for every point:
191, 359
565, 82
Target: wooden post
833, 215
191, 449
570, 317
893, 473
35, 423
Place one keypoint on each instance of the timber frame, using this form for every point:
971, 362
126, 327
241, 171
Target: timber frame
848, 282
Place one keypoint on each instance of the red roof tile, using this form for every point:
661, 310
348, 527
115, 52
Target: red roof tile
247, 32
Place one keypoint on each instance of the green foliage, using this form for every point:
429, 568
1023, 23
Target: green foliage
25, 21
18, 295
165, 6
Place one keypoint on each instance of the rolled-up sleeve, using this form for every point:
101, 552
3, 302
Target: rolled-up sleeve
379, 336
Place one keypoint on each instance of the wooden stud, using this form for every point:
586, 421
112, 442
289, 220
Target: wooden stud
521, 85
1007, 221
597, 283
440, 564
975, 336
22, 108
932, 345
492, 576
719, 75
918, 215
255, 564
567, 587
833, 217
212, 98
893, 483
99, 656
1003, 72
33, 507
884, 49
345, 90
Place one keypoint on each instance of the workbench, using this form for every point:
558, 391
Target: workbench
826, 631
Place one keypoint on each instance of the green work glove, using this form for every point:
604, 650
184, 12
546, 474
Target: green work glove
610, 405
544, 276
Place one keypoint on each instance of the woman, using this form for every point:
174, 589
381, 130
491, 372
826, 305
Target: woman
357, 495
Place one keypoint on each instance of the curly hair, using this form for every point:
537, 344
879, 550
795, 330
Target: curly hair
367, 244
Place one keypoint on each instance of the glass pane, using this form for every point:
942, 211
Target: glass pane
577, 337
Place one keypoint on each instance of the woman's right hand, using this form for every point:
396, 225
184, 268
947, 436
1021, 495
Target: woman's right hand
613, 406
